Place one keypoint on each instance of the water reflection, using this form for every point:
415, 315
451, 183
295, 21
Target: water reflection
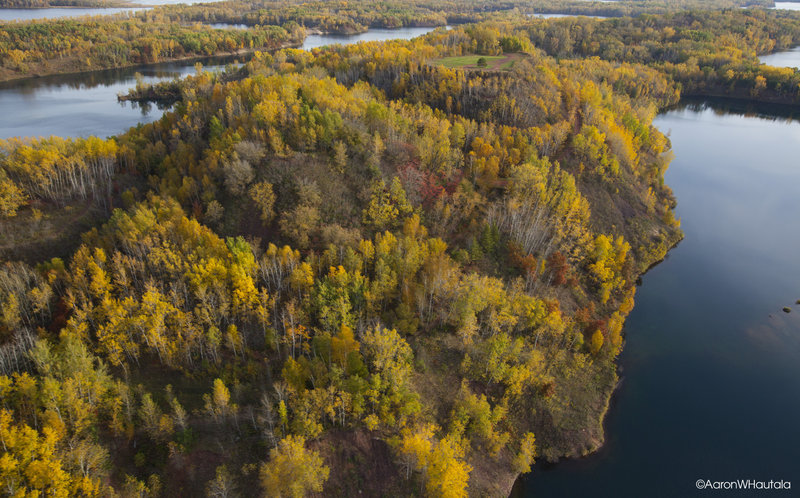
711, 362
560, 16
69, 12
316, 41
725, 106
85, 104
787, 58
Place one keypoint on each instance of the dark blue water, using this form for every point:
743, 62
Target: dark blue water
711, 367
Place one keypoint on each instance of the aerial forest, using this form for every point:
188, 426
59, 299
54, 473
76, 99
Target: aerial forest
355, 268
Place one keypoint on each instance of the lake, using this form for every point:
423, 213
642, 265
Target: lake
316, 41
787, 5
560, 16
56, 12
224, 25
711, 366
787, 58
86, 104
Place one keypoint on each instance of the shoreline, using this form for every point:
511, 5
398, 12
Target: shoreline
243, 51
609, 400
198, 58
112, 6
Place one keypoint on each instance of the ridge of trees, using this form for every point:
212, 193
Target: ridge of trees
38, 4
348, 244
71, 45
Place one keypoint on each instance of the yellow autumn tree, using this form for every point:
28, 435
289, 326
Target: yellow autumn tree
441, 462
609, 256
292, 470
11, 196
30, 465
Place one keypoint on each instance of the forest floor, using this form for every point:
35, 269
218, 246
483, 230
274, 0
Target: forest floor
35, 235
492, 62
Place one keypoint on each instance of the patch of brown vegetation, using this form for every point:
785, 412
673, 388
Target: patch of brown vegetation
362, 464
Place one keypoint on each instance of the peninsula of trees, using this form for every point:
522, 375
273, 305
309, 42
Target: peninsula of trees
73, 45
354, 269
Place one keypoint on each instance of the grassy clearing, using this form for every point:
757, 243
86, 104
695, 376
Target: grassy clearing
508, 64
468, 60
503, 62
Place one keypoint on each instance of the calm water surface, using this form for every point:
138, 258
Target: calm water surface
787, 5
787, 58
559, 16
224, 25
315, 41
56, 12
86, 104
711, 366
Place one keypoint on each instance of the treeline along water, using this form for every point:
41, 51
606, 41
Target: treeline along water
711, 366
86, 104
83, 104
59, 12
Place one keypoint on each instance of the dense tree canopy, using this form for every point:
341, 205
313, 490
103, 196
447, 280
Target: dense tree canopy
350, 267
68, 45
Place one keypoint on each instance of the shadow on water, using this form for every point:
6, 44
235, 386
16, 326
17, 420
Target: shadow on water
740, 107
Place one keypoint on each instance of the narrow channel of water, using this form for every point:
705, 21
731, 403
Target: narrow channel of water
711, 366
66, 12
379, 34
561, 16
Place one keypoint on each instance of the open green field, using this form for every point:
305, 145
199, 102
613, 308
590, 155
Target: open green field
467, 60
493, 62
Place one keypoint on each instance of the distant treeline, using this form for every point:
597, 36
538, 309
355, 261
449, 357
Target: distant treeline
359, 15
708, 53
627, 8
341, 18
38, 4
78, 45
